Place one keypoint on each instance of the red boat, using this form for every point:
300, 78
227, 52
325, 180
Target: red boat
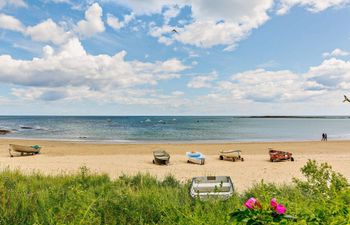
276, 155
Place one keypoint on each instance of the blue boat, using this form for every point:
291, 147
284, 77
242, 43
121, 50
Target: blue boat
195, 157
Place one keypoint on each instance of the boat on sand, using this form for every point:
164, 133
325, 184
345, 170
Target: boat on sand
161, 157
24, 150
195, 157
234, 155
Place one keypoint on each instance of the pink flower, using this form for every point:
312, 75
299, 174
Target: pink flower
273, 203
280, 209
250, 203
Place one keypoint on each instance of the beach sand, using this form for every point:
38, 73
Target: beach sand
118, 159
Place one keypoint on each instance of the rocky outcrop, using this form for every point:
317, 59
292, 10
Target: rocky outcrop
3, 132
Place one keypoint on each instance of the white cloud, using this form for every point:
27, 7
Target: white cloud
114, 22
223, 22
204, 81
311, 5
332, 74
329, 79
11, 23
336, 52
93, 23
71, 68
48, 31
266, 86
16, 3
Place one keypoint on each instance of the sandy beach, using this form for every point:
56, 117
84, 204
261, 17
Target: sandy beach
117, 159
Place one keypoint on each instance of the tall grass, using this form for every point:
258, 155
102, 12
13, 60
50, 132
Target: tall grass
86, 198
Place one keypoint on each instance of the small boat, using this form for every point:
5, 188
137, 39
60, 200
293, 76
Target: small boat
26, 127
276, 155
206, 187
195, 157
161, 157
233, 155
28, 150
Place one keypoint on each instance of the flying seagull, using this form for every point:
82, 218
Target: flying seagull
346, 99
175, 31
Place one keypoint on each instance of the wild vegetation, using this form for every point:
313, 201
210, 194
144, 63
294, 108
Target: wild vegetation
323, 197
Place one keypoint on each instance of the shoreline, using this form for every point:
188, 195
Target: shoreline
131, 158
169, 141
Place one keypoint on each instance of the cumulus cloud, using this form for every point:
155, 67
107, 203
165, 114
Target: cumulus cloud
116, 24
329, 80
332, 74
268, 86
48, 31
92, 23
223, 22
71, 67
311, 5
214, 23
202, 81
336, 52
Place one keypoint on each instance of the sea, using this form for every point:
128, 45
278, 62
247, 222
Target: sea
135, 129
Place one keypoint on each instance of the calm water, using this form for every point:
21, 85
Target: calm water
182, 128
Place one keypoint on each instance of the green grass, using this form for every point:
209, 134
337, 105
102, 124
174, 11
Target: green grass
85, 198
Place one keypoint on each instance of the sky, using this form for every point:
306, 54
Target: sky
179, 57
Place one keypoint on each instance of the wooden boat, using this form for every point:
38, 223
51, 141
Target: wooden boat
195, 157
161, 157
28, 150
276, 155
233, 155
220, 187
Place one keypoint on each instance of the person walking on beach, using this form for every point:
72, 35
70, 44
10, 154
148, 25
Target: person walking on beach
323, 137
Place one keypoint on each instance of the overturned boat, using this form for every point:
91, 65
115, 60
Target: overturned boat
219, 187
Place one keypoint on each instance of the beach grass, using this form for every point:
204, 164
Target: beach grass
323, 197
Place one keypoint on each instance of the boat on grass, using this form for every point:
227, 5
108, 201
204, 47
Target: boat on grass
217, 187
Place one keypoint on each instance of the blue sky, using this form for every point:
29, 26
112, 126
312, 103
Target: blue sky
228, 57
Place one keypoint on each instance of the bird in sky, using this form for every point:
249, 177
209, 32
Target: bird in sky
346, 99
175, 31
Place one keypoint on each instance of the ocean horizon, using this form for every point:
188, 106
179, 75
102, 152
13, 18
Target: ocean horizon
144, 129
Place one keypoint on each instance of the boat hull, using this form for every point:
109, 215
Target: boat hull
207, 187
23, 149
